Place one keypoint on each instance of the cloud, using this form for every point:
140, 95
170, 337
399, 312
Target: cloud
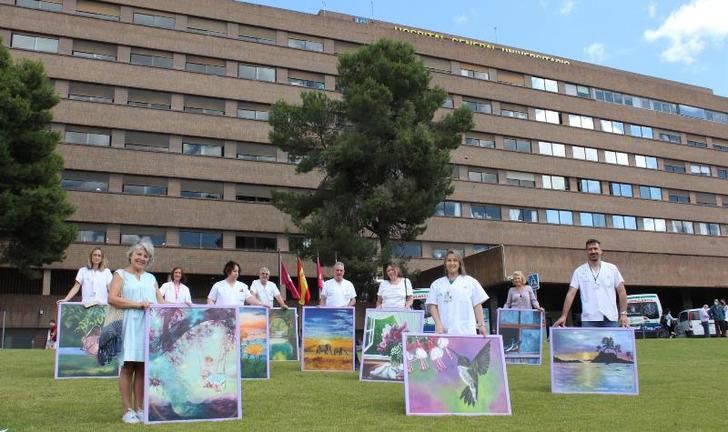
652, 9
690, 28
595, 52
465, 17
567, 6
461, 19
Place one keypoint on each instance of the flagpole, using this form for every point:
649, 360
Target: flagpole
280, 276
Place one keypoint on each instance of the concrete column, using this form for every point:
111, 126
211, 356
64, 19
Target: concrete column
228, 240
328, 46
282, 75
126, 14
65, 46
121, 95
175, 144
116, 183
231, 108
113, 234
172, 237
330, 82
69, 6
232, 30
46, 282
61, 87
178, 102
231, 68
282, 38
118, 137
228, 191
123, 54
174, 187
178, 61
231, 149
180, 22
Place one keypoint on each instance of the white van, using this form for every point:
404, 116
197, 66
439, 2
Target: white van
644, 312
688, 324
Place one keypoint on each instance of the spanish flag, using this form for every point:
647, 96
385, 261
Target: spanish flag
303, 285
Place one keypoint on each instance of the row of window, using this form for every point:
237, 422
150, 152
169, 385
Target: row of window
268, 36
580, 121
150, 141
88, 181
592, 186
187, 238
586, 219
165, 59
207, 239
591, 154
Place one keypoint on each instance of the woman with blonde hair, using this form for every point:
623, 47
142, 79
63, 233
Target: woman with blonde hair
455, 300
133, 289
93, 280
521, 296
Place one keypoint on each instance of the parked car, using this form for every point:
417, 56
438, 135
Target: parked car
688, 323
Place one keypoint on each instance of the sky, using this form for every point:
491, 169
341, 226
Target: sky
679, 40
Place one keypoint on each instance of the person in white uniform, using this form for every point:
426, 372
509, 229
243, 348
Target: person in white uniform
93, 280
599, 284
338, 292
175, 291
265, 290
395, 291
230, 291
456, 300
133, 289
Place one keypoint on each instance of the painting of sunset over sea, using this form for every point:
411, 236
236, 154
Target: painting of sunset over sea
328, 339
253, 322
594, 360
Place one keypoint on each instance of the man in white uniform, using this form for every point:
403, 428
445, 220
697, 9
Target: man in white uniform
338, 292
599, 283
266, 290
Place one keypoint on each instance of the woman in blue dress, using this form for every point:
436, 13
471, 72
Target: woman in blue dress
133, 290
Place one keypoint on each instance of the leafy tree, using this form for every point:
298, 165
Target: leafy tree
33, 206
382, 157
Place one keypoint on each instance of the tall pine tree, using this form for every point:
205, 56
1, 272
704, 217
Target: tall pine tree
33, 206
383, 159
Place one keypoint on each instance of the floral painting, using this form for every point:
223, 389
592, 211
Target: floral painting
283, 331
521, 331
328, 339
253, 323
192, 368
594, 360
78, 342
455, 375
382, 354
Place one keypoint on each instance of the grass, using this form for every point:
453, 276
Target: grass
682, 387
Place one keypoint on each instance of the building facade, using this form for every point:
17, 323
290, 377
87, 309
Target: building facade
163, 119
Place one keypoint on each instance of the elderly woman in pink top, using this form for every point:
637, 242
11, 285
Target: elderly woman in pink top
521, 296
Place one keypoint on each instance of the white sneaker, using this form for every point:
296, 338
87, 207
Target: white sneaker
130, 417
140, 415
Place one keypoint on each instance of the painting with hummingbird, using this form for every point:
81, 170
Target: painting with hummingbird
455, 375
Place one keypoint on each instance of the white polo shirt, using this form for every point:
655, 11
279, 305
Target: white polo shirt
455, 302
394, 296
266, 293
224, 294
338, 294
598, 291
94, 285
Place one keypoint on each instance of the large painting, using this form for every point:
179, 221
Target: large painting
283, 330
382, 354
78, 342
455, 375
253, 321
594, 360
192, 367
328, 339
521, 331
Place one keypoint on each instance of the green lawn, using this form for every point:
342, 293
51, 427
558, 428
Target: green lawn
683, 386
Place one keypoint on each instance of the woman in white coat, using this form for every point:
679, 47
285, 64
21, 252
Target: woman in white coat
456, 300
